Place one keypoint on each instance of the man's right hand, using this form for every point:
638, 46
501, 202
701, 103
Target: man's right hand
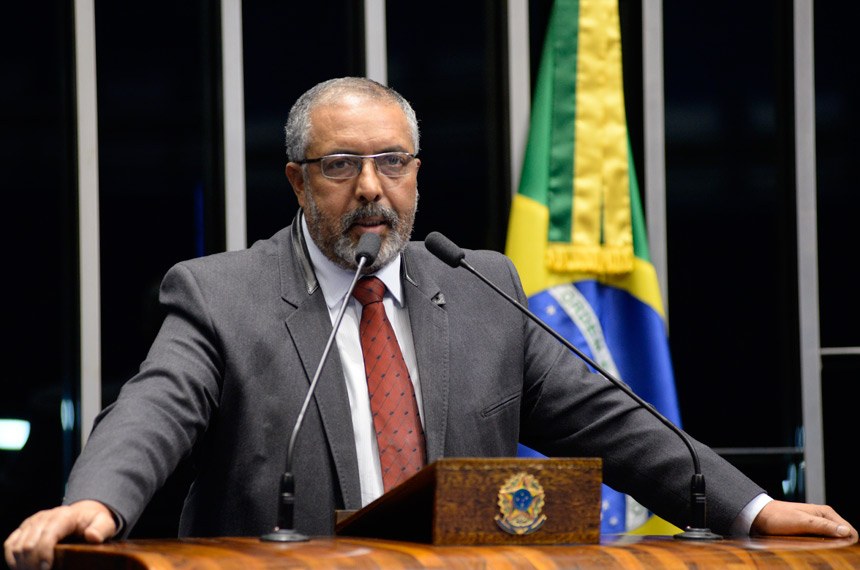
32, 544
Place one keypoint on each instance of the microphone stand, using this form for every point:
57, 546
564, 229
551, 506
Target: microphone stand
448, 252
284, 531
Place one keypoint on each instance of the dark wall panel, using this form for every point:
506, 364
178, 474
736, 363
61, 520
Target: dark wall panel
731, 226
40, 313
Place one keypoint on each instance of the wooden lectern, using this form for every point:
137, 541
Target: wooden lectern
615, 552
488, 501
471, 513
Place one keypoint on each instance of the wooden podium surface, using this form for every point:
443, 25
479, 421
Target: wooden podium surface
325, 553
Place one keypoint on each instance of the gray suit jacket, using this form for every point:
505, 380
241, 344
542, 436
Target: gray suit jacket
228, 372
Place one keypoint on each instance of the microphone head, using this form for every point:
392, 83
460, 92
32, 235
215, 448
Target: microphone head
444, 249
368, 247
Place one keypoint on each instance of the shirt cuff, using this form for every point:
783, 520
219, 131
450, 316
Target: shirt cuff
743, 523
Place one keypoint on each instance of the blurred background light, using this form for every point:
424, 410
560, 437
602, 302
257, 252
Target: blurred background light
14, 434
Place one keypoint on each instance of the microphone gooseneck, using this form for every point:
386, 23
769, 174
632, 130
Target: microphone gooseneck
451, 254
284, 531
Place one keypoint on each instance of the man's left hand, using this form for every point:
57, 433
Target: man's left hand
782, 518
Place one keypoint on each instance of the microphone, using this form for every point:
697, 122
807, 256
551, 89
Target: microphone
284, 531
450, 253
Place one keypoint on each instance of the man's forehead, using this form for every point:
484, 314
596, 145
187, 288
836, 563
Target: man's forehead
360, 119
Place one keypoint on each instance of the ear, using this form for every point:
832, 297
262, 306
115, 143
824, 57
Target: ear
296, 177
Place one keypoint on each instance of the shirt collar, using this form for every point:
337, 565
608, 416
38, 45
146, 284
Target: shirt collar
335, 280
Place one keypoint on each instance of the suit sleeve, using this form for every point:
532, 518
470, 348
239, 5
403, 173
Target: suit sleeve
160, 413
568, 411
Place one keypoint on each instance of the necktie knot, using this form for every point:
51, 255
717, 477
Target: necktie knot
369, 290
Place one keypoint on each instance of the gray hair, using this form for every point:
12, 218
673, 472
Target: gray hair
298, 127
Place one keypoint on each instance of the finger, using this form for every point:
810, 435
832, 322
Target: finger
827, 521
100, 528
826, 527
40, 535
25, 547
838, 528
9, 548
843, 527
19, 546
784, 518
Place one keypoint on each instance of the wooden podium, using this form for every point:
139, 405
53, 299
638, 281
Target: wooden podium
471, 513
471, 501
327, 553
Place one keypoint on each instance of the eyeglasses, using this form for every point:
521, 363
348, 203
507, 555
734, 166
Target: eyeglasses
346, 166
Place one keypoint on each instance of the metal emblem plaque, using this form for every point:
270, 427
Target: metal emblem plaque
521, 499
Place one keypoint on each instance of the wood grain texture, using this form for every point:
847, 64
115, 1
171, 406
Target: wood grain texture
455, 501
467, 501
328, 553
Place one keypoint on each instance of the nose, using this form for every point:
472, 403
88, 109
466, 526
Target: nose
368, 186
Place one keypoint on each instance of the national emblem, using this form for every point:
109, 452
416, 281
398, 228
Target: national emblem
521, 499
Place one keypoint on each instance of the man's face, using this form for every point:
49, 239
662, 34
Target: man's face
339, 211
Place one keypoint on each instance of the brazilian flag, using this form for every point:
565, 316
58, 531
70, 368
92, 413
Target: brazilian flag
576, 232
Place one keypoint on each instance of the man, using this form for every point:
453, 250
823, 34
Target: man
244, 333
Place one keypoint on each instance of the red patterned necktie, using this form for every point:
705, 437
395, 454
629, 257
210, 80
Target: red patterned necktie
399, 434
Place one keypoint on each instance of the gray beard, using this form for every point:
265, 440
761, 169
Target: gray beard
340, 249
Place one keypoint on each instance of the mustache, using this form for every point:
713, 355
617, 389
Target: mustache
369, 211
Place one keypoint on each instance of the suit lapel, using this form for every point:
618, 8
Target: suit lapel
309, 327
429, 321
